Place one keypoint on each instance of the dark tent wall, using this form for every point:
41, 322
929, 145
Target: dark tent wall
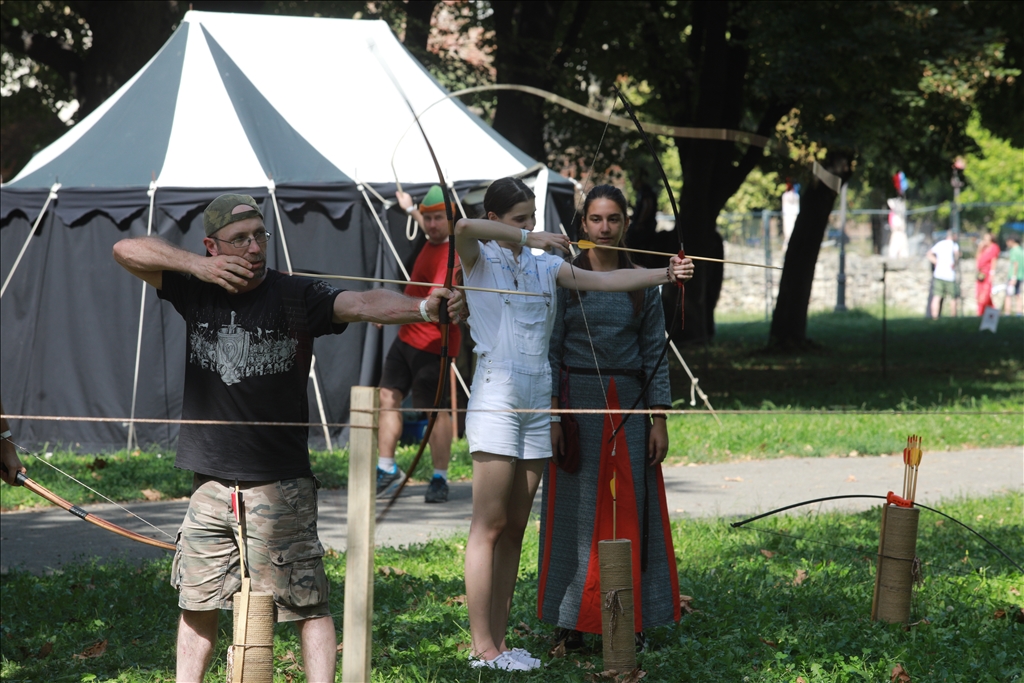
69, 319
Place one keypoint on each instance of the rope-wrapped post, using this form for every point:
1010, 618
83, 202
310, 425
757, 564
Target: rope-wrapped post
617, 622
257, 641
897, 550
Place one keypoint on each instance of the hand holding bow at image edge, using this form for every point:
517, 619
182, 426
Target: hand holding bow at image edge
457, 311
8, 454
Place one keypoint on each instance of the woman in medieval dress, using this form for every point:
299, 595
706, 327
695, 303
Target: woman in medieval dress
511, 449
604, 346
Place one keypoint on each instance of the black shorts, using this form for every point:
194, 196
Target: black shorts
406, 367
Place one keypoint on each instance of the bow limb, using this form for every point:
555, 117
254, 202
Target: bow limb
741, 523
49, 495
677, 310
442, 312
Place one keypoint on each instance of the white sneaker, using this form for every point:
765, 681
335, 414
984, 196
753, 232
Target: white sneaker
525, 657
503, 662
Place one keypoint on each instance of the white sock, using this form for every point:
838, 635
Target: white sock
387, 464
441, 473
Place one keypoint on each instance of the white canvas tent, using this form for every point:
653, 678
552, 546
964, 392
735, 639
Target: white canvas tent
298, 112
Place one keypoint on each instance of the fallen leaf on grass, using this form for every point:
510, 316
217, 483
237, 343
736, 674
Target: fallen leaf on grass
613, 675
558, 651
899, 674
457, 600
45, 650
923, 622
801, 574
801, 679
1014, 591
767, 553
152, 494
583, 665
388, 571
95, 650
1000, 614
940, 522
292, 661
769, 643
463, 646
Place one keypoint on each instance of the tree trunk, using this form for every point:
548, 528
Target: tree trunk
418, 14
789, 321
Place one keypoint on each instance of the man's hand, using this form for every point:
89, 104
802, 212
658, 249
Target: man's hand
457, 310
229, 272
404, 200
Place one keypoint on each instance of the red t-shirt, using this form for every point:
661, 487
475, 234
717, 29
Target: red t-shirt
430, 266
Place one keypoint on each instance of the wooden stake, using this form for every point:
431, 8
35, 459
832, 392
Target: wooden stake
238, 663
362, 470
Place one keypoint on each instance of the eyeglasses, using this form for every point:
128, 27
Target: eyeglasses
261, 238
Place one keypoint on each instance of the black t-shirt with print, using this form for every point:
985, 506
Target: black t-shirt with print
247, 360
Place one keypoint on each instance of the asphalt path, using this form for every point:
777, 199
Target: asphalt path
41, 541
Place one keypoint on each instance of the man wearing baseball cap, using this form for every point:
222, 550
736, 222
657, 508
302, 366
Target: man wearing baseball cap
250, 333
413, 363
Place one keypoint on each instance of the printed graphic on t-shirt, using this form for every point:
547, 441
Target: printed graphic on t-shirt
237, 353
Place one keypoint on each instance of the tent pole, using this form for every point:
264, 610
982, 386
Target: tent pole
132, 438
50, 197
271, 187
383, 230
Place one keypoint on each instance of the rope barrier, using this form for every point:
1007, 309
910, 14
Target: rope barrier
559, 411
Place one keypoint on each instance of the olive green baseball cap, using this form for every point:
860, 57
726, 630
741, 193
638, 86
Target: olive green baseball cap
221, 211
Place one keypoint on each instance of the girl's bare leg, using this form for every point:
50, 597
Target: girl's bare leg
493, 479
509, 547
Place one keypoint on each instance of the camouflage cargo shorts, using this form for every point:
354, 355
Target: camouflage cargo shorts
284, 555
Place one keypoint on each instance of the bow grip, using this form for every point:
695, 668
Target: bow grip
892, 499
682, 254
442, 312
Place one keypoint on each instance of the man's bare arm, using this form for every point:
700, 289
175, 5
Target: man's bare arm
147, 257
391, 308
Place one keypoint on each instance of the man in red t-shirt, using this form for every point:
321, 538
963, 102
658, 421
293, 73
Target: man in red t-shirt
413, 363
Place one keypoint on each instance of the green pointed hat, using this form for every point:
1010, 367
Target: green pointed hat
434, 201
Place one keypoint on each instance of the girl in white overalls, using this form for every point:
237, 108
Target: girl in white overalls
510, 449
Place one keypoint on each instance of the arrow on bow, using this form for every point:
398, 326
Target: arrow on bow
442, 312
45, 493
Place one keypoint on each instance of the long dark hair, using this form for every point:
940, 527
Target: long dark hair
504, 193
582, 261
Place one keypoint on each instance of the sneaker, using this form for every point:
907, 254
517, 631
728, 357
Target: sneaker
525, 657
437, 492
389, 481
503, 662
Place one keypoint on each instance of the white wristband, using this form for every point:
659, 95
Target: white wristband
556, 418
423, 311
6, 435
526, 233
411, 209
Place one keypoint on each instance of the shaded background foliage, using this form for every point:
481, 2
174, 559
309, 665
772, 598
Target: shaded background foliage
865, 88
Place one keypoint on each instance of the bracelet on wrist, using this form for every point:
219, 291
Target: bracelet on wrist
410, 209
663, 416
423, 311
526, 234
556, 418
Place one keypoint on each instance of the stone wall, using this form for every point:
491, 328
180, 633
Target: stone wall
907, 281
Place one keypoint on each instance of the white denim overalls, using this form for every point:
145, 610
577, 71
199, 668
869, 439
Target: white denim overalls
511, 335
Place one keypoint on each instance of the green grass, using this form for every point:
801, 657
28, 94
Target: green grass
754, 622
944, 379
